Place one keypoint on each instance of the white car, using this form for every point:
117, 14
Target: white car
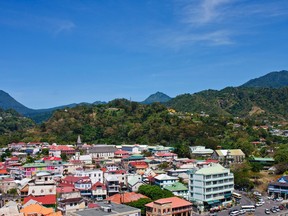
279, 199
242, 211
259, 204
257, 193
234, 213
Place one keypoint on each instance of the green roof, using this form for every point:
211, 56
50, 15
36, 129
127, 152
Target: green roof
35, 165
177, 186
263, 159
212, 169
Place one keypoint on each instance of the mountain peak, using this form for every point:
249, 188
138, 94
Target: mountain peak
8, 102
157, 97
276, 79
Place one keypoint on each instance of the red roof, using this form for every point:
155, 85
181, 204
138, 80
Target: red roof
52, 159
61, 148
93, 205
98, 184
176, 202
3, 171
74, 179
211, 161
8, 179
14, 158
169, 154
66, 189
117, 171
75, 161
121, 152
104, 169
133, 163
45, 200
126, 197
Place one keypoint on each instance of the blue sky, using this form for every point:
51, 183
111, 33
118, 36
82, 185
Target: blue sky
59, 52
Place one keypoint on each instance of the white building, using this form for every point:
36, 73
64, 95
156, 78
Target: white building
165, 180
95, 175
41, 190
86, 159
134, 149
201, 151
211, 186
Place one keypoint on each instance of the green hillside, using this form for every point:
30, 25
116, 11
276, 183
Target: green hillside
275, 79
241, 102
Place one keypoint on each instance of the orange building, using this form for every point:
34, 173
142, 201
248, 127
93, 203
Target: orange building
172, 206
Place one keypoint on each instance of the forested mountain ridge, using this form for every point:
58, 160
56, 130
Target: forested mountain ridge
125, 122
241, 102
275, 79
12, 122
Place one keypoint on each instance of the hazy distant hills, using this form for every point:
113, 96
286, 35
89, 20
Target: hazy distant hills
157, 97
262, 95
38, 115
270, 80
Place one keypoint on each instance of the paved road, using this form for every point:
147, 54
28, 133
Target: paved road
260, 211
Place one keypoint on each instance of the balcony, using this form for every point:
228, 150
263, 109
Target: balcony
277, 190
219, 184
219, 178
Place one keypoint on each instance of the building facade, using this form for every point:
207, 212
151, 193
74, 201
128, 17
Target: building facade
211, 186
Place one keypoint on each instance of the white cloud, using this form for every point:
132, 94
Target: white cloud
63, 25
219, 22
214, 38
205, 12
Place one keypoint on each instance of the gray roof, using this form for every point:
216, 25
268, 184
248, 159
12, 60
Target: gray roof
116, 209
103, 149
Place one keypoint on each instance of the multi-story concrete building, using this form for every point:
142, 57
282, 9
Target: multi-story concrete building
211, 186
95, 175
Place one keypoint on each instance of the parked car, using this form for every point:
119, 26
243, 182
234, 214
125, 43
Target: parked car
258, 204
273, 210
242, 211
279, 199
234, 213
267, 211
